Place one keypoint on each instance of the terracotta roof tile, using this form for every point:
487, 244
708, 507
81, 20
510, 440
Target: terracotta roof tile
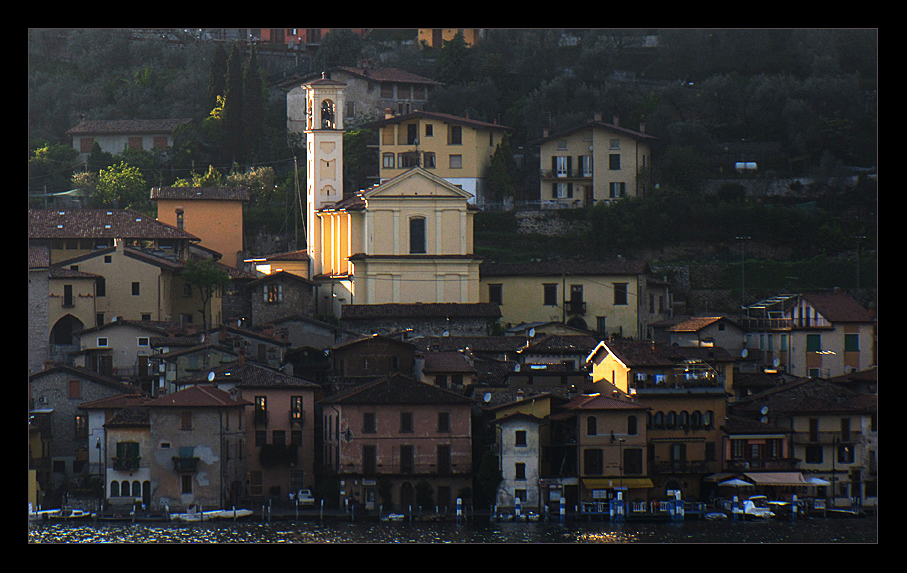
447, 362
420, 310
221, 193
127, 126
198, 396
397, 389
838, 307
99, 223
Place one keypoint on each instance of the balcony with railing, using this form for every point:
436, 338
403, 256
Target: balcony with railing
185, 464
575, 307
126, 463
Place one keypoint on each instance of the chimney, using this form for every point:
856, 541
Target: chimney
642, 127
388, 114
597, 116
616, 121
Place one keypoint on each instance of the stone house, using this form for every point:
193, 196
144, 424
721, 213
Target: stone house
62, 390
279, 295
399, 445
197, 448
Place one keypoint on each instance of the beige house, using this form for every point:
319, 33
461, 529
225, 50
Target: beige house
109, 264
593, 163
607, 297
457, 149
116, 135
814, 334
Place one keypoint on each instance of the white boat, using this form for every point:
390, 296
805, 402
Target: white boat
393, 517
58, 514
214, 514
757, 507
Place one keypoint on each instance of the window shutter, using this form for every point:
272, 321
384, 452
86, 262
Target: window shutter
569, 166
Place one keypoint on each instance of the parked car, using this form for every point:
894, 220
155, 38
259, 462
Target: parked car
304, 497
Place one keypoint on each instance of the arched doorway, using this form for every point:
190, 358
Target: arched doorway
407, 495
62, 332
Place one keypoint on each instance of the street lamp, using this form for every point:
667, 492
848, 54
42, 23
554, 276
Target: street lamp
742, 281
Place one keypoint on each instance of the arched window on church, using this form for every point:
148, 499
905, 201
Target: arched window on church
327, 114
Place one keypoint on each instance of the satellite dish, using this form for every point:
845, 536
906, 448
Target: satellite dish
776, 362
516, 368
531, 333
743, 353
487, 397
211, 376
764, 410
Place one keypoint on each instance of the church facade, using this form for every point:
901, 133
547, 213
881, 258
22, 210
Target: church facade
407, 240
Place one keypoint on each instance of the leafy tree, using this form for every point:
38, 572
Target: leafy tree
454, 61
358, 159
340, 47
50, 166
501, 173
209, 277
210, 178
122, 186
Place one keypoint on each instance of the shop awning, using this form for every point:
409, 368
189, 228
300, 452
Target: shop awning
615, 483
778, 478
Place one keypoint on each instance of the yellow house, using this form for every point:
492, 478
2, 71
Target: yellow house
594, 162
214, 214
607, 297
457, 149
435, 37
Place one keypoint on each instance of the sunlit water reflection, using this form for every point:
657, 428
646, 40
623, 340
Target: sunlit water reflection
804, 531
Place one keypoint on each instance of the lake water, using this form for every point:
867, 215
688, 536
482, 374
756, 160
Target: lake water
813, 530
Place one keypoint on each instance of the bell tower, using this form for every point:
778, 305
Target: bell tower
324, 158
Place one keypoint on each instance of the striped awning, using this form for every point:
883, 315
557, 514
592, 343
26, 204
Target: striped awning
617, 483
777, 478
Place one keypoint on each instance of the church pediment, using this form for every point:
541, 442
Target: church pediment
417, 182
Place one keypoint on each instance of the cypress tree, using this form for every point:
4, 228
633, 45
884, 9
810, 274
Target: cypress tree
233, 108
253, 105
217, 80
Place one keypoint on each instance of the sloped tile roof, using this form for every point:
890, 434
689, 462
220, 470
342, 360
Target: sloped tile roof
251, 375
446, 362
421, 310
838, 307
602, 402
127, 126
558, 343
220, 193
595, 125
445, 117
198, 396
99, 223
695, 323
388, 75
397, 389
